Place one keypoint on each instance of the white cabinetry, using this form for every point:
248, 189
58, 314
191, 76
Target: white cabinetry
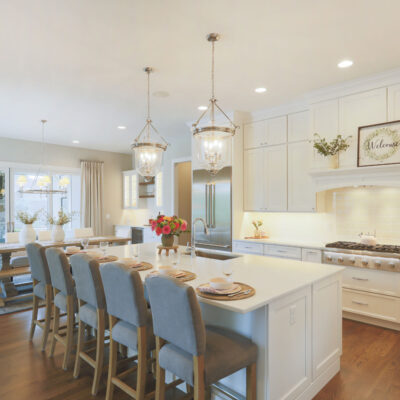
299, 126
265, 133
311, 255
357, 110
394, 103
253, 180
275, 250
277, 130
130, 189
301, 190
248, 247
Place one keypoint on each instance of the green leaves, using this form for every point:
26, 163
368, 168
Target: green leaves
340, 143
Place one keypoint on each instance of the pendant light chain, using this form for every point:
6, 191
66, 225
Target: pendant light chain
212, 82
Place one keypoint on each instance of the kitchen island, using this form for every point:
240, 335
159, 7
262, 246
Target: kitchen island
295, 317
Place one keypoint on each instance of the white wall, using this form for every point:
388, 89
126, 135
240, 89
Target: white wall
21, 151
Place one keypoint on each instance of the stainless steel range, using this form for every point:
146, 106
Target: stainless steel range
381, 257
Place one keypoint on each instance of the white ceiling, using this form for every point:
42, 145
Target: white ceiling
79, 63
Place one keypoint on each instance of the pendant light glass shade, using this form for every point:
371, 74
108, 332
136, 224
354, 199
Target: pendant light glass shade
147, 147
213, 143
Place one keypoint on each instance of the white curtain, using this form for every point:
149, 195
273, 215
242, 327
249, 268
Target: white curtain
92, 195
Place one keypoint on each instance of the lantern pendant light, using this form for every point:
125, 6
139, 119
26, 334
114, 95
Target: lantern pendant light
148, 150
213, 142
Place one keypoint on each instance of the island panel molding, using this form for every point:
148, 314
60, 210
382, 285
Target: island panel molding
379, 144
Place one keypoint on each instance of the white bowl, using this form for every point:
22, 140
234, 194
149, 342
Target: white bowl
165, 270
220, 283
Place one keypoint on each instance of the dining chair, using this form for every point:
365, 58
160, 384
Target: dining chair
64, 301
130, 324
92, 312
197, 354
83, 233
20, 258
44, 236
42, 289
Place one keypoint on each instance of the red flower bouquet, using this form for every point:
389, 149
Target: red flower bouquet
168, 227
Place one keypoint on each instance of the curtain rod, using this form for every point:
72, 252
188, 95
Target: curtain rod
93, 161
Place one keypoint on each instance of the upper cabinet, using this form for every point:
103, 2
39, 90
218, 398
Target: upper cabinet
394, 103
130, 189
253, 183
265, 133
299, 126
366, 108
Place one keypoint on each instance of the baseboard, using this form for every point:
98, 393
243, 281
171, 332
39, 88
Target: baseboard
371, 321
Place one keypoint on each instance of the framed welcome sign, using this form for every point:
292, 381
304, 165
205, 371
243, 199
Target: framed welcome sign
379, 144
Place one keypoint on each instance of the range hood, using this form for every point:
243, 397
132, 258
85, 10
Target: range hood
385, 175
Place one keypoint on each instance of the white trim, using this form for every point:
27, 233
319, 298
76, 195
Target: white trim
51, 168
173, 162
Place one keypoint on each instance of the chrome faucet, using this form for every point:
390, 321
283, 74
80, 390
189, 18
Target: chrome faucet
193, 240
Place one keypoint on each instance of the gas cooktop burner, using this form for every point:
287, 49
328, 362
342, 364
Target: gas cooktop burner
381, 248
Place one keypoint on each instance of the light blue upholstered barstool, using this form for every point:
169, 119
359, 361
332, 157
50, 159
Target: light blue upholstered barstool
130, 325
64, 300
197, 354
42, 289
92, 312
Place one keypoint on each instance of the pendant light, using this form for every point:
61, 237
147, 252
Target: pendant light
148, 150
213, 142
42, 183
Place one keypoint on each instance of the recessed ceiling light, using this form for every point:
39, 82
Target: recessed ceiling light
75, 141
202, 108
345, 64
122, 127
260, 90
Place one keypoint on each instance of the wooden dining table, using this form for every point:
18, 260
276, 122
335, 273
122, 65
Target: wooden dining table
8, 291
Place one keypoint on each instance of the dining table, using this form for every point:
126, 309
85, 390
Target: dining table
8, 290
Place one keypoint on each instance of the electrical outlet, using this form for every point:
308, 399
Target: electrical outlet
292, 315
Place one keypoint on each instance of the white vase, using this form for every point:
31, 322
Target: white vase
57, 233
27, 234
334, 161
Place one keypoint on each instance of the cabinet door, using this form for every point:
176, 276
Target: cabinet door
311, 255
253, 182
301, 191
394, 103
255, 134
130, 190
360, 109
325, 122
299, 126
277, 130
275, 174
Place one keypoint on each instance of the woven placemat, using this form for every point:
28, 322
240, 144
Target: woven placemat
106, 259
189, 276
222, 297
144, 266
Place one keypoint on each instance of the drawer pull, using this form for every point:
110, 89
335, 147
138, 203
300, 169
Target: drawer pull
282, 251
360, 303
360, 279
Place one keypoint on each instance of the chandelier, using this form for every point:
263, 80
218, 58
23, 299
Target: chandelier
213, 142
42, 183
148, 150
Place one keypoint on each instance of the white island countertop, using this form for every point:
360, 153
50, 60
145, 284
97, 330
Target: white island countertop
271, 277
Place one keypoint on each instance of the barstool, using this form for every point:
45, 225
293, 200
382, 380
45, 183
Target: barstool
92, 311
64, 300
197, 354
42, 289
130, 325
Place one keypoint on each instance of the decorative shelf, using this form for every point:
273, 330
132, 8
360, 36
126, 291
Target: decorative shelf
146, 196
152, 182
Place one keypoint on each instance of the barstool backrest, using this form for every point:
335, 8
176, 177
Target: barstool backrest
176, 314
124, 293
89, 286
60, 272
38, 263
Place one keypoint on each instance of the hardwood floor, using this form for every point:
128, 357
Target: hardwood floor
370, 366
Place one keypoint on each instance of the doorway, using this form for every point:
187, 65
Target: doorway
183, 195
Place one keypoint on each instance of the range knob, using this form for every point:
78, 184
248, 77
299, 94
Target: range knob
352, 260
340, 259
329, 258
364, 262
392, 264
378, 263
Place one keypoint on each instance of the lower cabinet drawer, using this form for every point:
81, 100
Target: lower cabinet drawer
282, 251
372, 305
250, 248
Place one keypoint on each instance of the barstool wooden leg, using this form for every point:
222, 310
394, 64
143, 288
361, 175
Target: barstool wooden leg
35, 308
81, 334
251, 382
199, 387
70, 331
142, 363
99, 350
160, 372
56, 324
112, 366
47, 320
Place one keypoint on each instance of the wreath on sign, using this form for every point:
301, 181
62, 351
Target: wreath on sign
391, 151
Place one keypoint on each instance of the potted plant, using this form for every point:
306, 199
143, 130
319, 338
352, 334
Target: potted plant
57, 232
27, 233
331, 149
168, 227
257, 225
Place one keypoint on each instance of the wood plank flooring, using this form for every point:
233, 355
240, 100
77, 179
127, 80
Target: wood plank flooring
370, 366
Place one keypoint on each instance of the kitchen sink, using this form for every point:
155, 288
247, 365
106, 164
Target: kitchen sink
215, 256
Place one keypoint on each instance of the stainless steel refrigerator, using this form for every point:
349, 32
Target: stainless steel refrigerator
212, 200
